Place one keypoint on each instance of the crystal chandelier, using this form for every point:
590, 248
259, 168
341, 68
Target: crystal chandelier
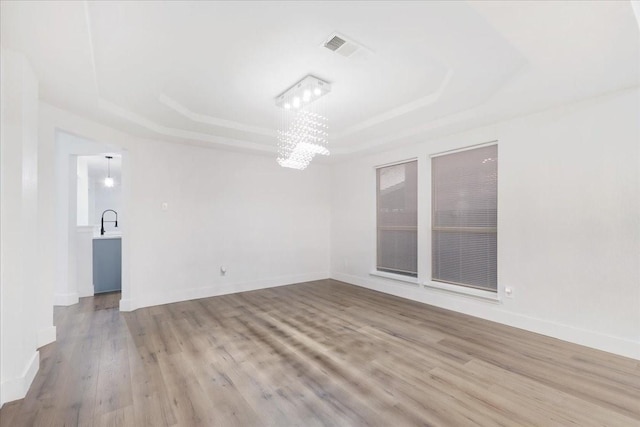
303, 125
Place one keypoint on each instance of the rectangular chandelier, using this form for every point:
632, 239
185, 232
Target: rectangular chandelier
303, 130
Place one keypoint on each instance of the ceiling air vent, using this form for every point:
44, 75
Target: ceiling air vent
342, 45
335, 43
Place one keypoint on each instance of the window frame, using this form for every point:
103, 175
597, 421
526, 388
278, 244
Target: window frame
388, 273
464, 288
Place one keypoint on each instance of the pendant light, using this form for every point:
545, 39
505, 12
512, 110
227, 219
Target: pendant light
303, 130
108, 181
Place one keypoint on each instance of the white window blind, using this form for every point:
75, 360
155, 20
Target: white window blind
397, 218
465, 218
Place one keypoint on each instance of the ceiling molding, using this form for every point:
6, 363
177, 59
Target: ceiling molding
210, 138
139, 120
499, 64
401, 110
213, 121
167, 101
451, 119
174, 105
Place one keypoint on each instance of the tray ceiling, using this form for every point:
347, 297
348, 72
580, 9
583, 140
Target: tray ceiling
210, 71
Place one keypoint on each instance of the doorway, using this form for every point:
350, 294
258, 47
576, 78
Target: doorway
81, 199
99, 223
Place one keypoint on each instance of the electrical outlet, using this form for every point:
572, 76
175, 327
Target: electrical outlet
508, 292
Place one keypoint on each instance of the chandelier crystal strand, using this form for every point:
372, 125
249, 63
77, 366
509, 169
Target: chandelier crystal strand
303, 131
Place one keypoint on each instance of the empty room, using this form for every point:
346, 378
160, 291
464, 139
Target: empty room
322, 213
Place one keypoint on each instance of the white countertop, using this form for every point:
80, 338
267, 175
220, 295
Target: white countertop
108, 235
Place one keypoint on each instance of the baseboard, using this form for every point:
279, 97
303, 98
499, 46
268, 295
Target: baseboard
126, 305
17, 388
212, 291
495, 313
46, 336
86, 291
66, 299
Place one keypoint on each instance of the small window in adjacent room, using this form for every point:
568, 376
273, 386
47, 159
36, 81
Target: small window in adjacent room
465, 218
397, 219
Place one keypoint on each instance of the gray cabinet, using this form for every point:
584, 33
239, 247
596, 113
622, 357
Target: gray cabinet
107, 265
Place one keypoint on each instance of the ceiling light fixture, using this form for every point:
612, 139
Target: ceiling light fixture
108, 181
303, 127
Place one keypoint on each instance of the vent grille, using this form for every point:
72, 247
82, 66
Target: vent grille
345, 46
335, 43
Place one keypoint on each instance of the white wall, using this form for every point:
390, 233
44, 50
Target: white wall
82, 193
21, 331
569, 223
266, 225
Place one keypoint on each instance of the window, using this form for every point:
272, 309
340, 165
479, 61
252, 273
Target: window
465, 218
397, 219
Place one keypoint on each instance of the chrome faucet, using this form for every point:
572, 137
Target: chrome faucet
102, 221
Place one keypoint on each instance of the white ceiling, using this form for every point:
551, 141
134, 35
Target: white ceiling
208, 72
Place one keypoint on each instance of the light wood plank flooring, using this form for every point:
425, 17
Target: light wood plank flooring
315, 354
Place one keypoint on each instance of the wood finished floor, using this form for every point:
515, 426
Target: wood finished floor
315, 354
